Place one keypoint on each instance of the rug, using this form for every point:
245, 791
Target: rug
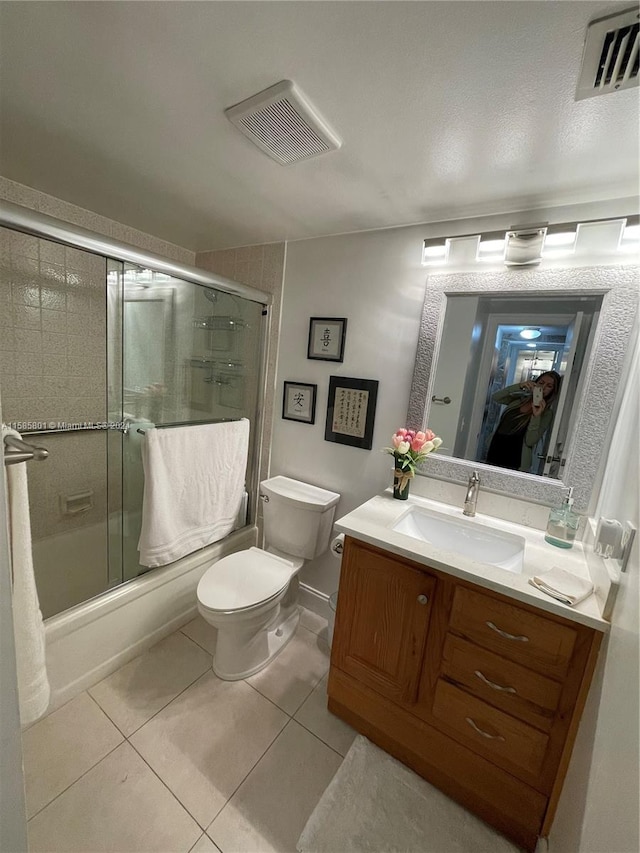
374, 804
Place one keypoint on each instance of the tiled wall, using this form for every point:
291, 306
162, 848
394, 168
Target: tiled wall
53, 368
53, 365
261, 267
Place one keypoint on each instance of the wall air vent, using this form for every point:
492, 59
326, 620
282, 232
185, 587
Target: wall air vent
282, 122
610, 58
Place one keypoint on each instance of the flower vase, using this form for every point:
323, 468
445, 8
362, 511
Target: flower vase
401, 480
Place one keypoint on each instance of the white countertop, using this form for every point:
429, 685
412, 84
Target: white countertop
372, 523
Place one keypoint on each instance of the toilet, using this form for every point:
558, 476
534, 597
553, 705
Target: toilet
251, 596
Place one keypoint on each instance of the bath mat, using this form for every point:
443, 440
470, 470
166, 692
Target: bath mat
374, 804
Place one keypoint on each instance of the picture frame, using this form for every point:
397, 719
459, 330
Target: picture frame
327, 337
351, 411
299, 402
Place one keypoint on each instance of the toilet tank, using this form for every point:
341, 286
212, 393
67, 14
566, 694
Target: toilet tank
298, 517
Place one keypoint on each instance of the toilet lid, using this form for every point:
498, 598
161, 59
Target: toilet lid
243, 579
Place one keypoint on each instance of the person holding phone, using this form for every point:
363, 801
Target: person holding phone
525, 420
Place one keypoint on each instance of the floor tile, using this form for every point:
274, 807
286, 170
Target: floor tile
270, 809
60, 748
312, 622
204, 845
315, 716
137, 691
202, 633
205, 742
119, 805
293, 674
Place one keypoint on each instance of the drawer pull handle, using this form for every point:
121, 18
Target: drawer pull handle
507, 636
422, 599
480, 732
493, 685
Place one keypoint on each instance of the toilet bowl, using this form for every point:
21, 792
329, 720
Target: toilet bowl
251, 596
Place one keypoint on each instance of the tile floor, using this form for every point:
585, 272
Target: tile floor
163, 756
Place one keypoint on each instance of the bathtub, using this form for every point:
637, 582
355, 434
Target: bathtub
88, 642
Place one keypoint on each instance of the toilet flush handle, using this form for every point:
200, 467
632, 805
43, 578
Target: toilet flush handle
264, 498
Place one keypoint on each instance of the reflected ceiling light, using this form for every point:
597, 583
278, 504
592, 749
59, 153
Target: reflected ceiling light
524, 245
531, 346
530, 334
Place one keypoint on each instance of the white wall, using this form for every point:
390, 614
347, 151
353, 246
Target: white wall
599, 808
376, 280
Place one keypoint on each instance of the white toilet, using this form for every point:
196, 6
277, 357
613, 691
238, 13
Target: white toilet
251, 596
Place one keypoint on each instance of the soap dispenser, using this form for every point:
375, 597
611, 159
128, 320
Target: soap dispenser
563, 523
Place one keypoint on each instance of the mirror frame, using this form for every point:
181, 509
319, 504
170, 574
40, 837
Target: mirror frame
619, 287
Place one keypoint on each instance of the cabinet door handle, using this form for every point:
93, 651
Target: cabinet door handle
521, 639
493, 685
480, 732
422, 599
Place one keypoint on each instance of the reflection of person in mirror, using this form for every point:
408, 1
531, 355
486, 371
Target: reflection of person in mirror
528, 415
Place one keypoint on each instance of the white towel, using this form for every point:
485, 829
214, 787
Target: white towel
28, 626
563, 586
193, 485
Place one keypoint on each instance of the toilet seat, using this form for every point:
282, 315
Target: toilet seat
243, 580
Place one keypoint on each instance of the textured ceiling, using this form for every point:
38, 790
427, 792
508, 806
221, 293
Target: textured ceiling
445, 109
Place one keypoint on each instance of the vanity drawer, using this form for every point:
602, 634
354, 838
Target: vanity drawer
499, 737
506, 685
513, 632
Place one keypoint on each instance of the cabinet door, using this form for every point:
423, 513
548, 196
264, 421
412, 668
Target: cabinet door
382, 621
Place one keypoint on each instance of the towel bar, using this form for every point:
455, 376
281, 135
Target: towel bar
190, 423
22, 452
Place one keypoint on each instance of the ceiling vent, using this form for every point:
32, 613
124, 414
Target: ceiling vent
282, 122
610, 58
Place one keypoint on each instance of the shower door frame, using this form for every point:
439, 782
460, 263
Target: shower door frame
22, 219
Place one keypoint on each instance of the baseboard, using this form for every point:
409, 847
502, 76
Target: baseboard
314, 600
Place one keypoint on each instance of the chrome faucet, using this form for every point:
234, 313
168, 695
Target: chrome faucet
471, 498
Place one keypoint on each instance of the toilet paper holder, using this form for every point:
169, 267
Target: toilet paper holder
337, 546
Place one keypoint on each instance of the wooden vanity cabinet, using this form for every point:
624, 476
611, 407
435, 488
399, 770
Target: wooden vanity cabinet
479, 694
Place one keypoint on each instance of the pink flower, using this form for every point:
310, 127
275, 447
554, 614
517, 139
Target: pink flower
397, 440
429, 435
401, 432
417, 443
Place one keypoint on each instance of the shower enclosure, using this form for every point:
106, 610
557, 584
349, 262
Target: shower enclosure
97, 346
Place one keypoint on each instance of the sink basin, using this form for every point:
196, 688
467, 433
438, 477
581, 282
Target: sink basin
470, 539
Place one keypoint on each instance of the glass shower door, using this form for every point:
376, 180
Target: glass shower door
190, 355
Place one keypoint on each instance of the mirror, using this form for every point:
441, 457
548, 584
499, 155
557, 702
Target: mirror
482, 402
470, 350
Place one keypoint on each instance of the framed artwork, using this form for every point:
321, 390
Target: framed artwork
326, 338
351, 411
299, 402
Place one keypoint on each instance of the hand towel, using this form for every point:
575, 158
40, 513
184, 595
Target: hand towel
563, 586
193, 484
28, 625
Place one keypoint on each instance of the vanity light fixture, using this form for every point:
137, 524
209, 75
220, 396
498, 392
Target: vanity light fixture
491, 247
524, 245
435, 251
560, 241
530, 334
630, 237
529, 244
